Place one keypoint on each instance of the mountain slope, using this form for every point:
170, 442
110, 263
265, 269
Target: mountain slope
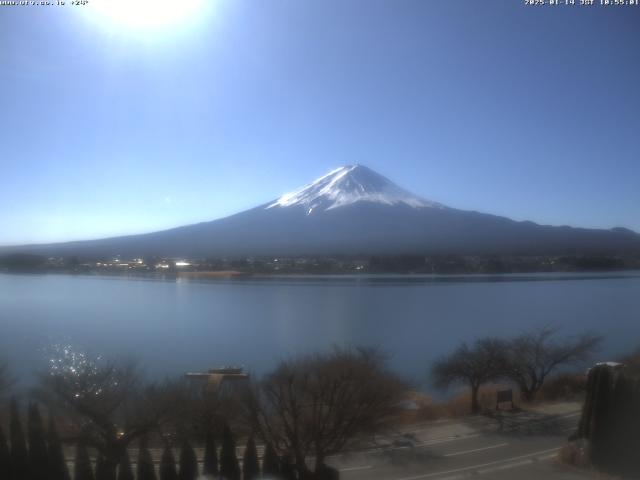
353, 210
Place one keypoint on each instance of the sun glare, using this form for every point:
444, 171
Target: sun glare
147, 14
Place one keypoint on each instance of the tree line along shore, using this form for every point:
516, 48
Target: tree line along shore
335, 264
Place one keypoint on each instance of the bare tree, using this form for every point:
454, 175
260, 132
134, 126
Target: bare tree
319, 405
202, 411
106, 400
532, 356
471, 365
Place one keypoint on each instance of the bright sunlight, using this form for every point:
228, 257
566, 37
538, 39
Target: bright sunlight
147, 14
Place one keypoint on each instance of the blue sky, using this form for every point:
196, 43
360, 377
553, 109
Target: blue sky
105, 129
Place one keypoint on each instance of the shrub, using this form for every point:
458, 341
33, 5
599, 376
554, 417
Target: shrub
145, 463
38, 457
102, 469
125, 472
188, 462
229, 467
210, 455
58, 469
287, 468
270, 463
19, 454
458, 406
168, 465
564, 387
5, 457
250, 466
82, 465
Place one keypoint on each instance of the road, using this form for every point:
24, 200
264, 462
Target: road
523, 446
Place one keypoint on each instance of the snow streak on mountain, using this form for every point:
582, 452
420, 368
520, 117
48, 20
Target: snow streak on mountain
347, 185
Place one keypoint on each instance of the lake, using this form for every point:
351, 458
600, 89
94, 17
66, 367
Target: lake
174, 325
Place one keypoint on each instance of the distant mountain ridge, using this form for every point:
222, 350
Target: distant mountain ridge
352, 210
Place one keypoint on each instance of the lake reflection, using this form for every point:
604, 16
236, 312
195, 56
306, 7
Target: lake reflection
172, 326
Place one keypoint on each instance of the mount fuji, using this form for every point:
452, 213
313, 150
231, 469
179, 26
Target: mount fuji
348, 185
352, 210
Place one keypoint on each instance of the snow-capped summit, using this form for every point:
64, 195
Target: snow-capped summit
347, 185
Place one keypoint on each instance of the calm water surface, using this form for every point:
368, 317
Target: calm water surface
174, 326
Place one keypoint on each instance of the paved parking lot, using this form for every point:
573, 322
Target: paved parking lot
522, 446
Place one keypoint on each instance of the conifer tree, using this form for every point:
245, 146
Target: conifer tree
19, 453
287, 470
250, 466
188, 462
5, 457
38, 458
168, 465
58, 469
229, 468
145, 463
210, 455
82, 465
102, 470
125, 472
270, 463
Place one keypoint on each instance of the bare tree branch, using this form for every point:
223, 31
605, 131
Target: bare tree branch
107, 401
471, 365
532, 356
318, 405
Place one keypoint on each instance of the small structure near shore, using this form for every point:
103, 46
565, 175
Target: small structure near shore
216, 376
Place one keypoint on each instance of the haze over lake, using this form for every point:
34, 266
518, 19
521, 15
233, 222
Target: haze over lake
173, 326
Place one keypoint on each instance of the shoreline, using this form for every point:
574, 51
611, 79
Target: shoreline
373, 278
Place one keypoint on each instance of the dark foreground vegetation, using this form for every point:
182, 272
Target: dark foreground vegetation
93, 419
308, 408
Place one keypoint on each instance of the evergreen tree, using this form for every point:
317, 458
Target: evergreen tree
270, 463
106, 469
5, 457
19, 454
250, 466
102, 470
145, 463
125, 472
82, 466
168, 465
58, 469
38, 458
229, 467
210, 455
188, 462
287, 470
